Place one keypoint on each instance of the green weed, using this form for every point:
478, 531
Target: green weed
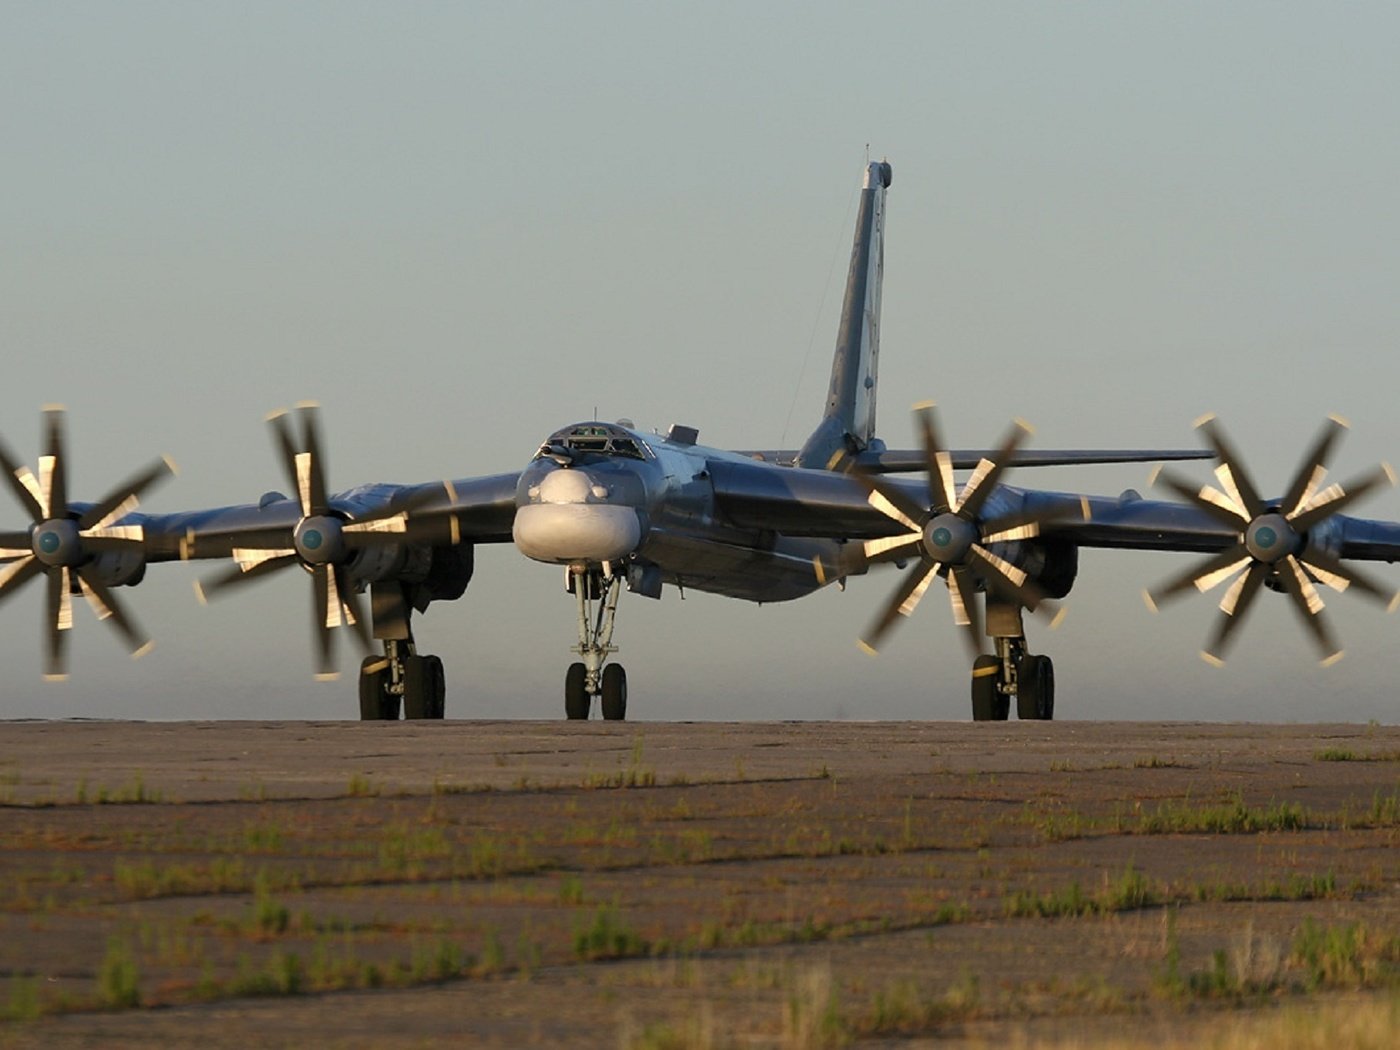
904, 1008
493, 953
118, 981
1157, 762
24, 1002
270, 916
1335, 754
1345, 754
1350, 956
607, 938
1128, 892
813, 1016
1233, 817
362, 787
283, 974
571, 890
134, 792
440, 961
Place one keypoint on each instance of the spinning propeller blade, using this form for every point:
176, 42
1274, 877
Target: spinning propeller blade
65, 546
1273, 547
324, 540
950, 536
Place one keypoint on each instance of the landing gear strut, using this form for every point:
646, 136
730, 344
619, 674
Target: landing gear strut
402, 676
1012, 671
596, 591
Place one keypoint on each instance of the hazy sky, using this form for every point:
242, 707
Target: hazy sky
460, 226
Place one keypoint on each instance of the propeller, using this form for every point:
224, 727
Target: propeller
63, 542
951, 536
323, 541
1272, 547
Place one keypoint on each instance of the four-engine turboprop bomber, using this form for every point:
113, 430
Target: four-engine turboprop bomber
618, 507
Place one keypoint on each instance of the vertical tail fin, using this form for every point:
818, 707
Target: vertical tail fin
848, 424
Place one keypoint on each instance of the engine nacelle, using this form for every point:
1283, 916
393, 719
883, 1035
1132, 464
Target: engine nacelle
124, 567
428, 573
409, 563
1058, 566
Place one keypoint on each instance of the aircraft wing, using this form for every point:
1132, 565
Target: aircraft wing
820, 503
476, 510
910, 461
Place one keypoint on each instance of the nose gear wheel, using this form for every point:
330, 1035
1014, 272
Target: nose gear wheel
596, 591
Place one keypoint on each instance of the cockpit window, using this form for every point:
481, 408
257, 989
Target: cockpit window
597, 438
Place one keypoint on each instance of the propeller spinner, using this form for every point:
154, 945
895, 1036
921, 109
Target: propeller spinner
63, 543
1273, 545
950, 536
323, 542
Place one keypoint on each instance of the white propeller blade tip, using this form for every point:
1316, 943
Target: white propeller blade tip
199, 593
1328, 661
1203, 420
55, 677
1058, 618
137, 654
1147, 598
867, 648
1212, 659
329, 676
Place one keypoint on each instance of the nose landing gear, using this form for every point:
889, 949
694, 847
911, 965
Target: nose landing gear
597, 591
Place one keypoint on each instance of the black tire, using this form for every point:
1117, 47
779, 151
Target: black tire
417, 688
1035, 689
576, 698
614, 693
372, 692
437, 695
985, 697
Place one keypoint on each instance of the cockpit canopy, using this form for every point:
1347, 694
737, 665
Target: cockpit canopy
603, 439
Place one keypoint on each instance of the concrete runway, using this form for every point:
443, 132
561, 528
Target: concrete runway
732, 867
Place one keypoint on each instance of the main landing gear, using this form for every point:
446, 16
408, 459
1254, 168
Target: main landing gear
1012, 671
402, 677
596, 591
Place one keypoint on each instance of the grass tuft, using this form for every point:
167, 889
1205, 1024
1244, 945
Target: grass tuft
607, 938
118, 981
1230, 818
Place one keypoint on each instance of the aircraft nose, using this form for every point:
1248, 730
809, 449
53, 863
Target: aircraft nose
567, 486
569, 523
